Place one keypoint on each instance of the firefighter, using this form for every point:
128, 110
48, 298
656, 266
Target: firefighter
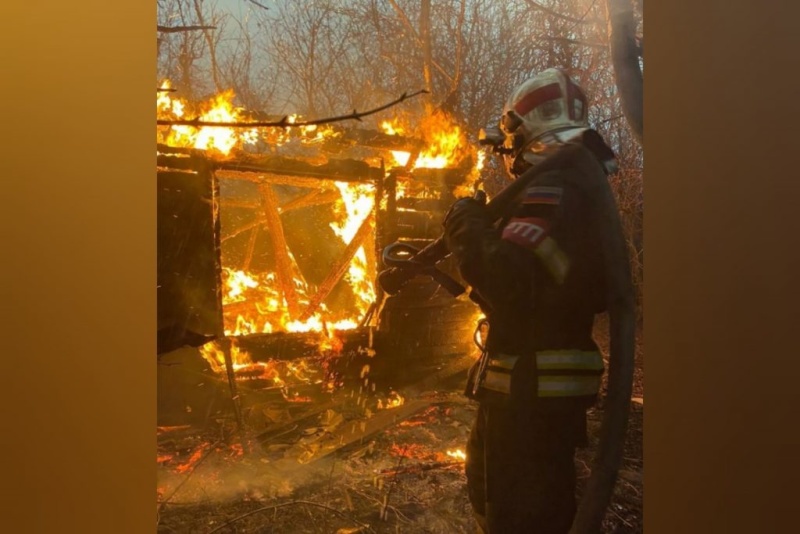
538, 275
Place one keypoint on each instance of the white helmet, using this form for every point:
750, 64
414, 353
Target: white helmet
547, 109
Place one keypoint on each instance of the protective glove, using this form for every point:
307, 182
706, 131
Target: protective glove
473, 208
465, 225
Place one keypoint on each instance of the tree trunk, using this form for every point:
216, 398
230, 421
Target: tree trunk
425, 36
625, 59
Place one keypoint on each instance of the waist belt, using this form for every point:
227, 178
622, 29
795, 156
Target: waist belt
560, 373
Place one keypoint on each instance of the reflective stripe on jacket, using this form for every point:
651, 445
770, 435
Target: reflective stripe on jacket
560, 373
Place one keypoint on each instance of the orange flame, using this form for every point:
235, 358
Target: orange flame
220, 140
445, 143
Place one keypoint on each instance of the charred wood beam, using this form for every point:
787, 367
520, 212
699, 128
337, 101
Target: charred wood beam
348, 170
339, 268
381, 140
167, 149
378, 236
279, 170
257, 177
388, 229
343, 170
421, 204
440, 177
280, 249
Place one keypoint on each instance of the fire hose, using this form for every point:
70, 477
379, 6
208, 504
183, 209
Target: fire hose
586, 156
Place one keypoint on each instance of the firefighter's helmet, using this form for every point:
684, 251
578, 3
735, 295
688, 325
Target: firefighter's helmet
547, 109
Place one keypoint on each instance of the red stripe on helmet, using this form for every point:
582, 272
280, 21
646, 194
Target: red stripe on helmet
537, 97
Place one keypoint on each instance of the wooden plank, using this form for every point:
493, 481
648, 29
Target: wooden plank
277, 179
280, 249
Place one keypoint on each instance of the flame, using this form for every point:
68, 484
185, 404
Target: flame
358, 201
218, 140
219, 108
446, 144
393, 127
254, 302
458, 454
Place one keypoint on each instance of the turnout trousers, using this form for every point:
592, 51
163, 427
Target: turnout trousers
520, 469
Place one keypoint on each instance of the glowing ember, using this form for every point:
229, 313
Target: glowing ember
394, 400
281, 374
458, 454
412, 451
196, 456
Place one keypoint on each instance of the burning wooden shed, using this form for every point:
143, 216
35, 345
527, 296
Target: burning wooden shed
269, 248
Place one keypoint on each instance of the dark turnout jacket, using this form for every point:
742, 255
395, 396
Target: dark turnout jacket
540, 277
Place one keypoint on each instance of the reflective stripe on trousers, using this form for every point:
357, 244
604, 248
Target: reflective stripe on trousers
562, 373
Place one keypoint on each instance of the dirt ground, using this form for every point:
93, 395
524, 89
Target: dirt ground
406, 478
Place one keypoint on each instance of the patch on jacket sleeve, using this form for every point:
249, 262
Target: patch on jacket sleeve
527, 232
543, 195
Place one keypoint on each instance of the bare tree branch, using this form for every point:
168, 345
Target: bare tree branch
425, 36
554, 13
212, 53
262, 6
416, 37
578, 42
284, 122
180, 29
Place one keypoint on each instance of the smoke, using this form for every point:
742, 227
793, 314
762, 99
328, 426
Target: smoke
219, 477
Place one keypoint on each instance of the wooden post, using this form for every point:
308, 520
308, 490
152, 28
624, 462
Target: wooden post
235, 400
283, 262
